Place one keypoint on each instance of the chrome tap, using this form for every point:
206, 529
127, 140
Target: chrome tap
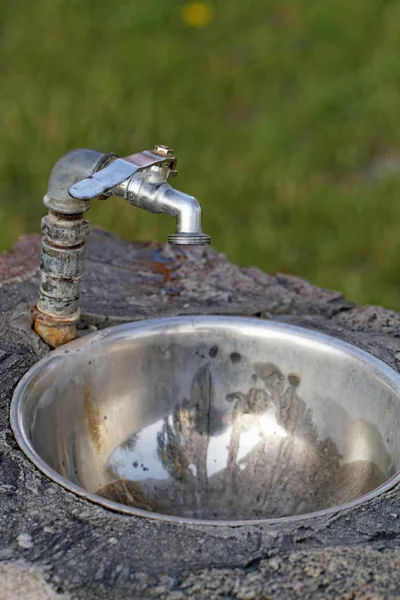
77, 178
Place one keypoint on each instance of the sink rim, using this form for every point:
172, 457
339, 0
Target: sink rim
151, 326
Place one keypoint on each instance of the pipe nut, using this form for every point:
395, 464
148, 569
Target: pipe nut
162, 150
65, 233
189, 239
62, 263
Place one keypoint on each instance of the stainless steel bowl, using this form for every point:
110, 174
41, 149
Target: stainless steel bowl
212, 419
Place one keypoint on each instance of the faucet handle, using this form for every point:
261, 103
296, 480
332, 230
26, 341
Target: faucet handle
118, 171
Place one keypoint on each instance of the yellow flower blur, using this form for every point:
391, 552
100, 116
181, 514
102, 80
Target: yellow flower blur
197, 14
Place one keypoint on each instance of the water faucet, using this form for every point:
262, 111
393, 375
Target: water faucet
77, 178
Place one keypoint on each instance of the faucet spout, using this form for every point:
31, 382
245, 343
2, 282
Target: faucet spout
155, 197
76, 179
187, 211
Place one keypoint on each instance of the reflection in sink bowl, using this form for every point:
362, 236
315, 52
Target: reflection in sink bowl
212, 419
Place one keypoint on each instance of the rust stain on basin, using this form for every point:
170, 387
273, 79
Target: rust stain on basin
92, 418
130, 493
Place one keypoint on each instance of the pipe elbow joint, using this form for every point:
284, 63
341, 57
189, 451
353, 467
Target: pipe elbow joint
69, 169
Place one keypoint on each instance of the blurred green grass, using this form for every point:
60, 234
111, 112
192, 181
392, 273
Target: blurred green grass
285, 116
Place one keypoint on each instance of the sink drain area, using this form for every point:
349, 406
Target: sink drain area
212, 419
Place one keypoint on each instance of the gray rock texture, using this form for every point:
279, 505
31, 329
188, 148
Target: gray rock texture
58, 545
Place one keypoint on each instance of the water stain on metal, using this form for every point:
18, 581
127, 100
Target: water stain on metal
260, 459
235, 357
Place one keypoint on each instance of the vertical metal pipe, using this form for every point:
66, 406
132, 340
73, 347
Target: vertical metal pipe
62, 266
63, 247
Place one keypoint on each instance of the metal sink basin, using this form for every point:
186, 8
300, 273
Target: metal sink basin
212, 419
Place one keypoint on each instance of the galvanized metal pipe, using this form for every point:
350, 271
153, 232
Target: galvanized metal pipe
63, 248
62, 265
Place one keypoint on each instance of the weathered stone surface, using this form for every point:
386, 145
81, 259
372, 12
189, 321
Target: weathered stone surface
19, 581
88, 552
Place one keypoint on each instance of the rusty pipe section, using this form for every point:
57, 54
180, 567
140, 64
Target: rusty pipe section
75, 180
62, 266
63, 248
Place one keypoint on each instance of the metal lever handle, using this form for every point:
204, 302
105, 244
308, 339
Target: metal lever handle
115, 173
